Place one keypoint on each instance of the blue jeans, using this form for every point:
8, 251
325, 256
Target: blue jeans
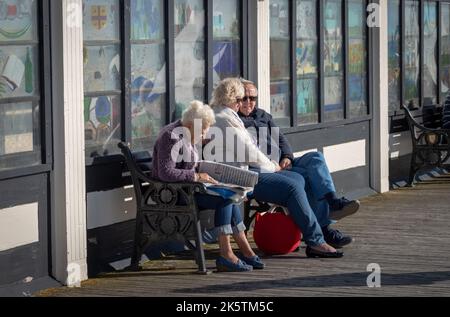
314, 169
287, 188
227, 218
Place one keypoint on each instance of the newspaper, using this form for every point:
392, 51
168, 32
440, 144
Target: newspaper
234, 183
227, 174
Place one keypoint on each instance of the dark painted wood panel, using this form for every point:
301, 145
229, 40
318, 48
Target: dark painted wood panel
29, 260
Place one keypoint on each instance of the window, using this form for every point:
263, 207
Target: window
102, 76
357, 59
143, 66
418, 70
328, 82
333, 61
148, 71
280, 66
190, 73
227, 40
430, 72
307, 63
445, 50
20, 91
394, 54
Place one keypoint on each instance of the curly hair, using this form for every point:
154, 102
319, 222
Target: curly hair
227, 92
198, 111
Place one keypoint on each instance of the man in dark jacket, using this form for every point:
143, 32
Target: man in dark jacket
312, 166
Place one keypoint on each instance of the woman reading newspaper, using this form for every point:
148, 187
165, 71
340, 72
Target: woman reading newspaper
175, 159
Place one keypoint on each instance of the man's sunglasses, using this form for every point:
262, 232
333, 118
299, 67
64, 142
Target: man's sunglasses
249, 98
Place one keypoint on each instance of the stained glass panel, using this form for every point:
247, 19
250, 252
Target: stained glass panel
101, 68
148, 72
189, 53
18, 20
430, 72
394, 61
307, 63
357, 70
226, 40
412, 52
101, 20
280, 58
102, 124
445, 49
333, 60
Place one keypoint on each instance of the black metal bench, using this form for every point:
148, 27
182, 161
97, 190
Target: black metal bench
165, 211
431, 145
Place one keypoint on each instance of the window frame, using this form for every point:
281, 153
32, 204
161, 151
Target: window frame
398, 113
169, 38
45, 102
320, 5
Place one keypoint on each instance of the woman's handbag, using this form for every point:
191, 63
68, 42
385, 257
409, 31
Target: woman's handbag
275, 233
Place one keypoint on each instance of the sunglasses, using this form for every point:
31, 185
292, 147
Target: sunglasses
249, 98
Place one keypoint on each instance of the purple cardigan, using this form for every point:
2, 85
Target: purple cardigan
164, 167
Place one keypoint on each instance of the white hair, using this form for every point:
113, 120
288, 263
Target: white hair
248, 83
198, 111
227, 92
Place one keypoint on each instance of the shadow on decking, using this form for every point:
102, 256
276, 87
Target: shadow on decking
327, 281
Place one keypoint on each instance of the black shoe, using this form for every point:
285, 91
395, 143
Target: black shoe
311, 253
343, 208
335, 238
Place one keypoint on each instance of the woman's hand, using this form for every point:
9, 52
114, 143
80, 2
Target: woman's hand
205, 178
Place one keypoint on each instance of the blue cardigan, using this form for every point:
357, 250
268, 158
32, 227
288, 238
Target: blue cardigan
260, 119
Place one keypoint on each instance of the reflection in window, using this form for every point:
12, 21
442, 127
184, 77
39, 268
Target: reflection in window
148, 71
102, 73
430, 53
445, 49
307, 63
333, 61
411, 53
189, 17
280, 62
357, 59
20, 140
226, 40
394, 60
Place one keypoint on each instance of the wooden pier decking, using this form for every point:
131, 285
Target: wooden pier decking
405, 231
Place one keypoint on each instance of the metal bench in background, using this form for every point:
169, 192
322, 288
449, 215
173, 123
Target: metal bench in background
165, 211
431, 144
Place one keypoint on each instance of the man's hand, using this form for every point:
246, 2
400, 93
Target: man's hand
286, 164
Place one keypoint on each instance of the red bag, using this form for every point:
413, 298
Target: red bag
276, 233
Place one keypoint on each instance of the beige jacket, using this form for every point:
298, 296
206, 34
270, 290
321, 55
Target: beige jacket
234, 133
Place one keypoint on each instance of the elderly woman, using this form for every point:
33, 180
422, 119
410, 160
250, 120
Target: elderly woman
275, 186
175, 159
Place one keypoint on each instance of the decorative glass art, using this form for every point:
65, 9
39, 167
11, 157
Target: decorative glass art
279, 97
333, 61
357, 59
101, 20
445, 49
102, 124
226, 40
411, 52
430, 71
189, 53
147, 20
307, 101
101, 68
18, 71
394, 54
18, 20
